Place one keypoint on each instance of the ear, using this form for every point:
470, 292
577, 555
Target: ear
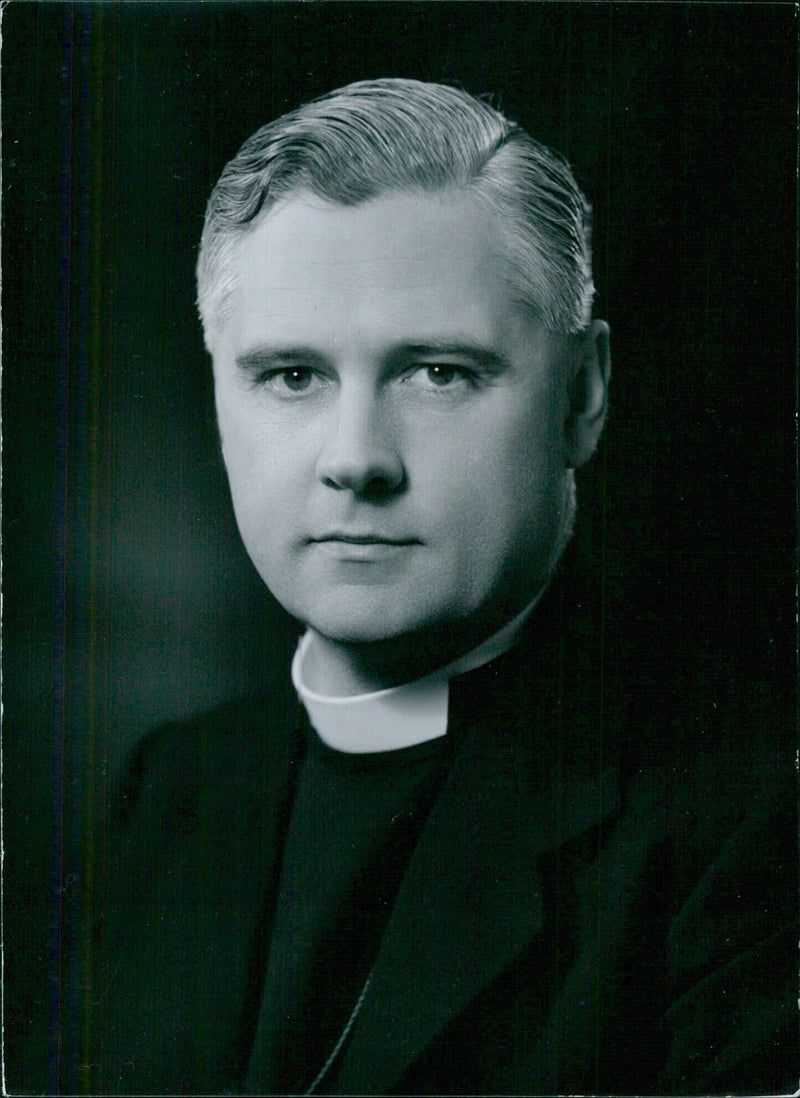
588, 394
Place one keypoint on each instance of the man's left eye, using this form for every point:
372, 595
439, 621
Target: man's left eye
439, 375
296, 380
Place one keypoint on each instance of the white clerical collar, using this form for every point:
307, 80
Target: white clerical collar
400, 716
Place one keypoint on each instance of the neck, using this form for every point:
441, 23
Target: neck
340, 670
334, 669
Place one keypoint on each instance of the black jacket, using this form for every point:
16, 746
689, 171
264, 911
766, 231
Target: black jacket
602, 899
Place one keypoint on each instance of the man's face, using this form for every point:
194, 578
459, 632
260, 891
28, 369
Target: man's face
391, 420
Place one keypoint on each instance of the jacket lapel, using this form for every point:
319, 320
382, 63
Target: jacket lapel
528, 776
207, 804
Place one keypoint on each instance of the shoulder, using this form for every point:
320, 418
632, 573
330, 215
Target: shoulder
217, 762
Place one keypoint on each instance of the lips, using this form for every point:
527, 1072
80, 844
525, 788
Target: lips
369, 538
351, 550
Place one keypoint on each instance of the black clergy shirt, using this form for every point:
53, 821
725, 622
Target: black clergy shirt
353, 825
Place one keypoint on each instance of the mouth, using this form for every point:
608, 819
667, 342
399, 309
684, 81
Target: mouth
361, 539
361, 548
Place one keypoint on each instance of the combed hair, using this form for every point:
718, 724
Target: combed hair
396, 135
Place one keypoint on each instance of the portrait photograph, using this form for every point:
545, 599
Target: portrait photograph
399, 548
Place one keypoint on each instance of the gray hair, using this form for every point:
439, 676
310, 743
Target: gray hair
390, 135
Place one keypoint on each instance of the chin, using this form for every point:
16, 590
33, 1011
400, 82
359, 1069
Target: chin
359, 631
351, 621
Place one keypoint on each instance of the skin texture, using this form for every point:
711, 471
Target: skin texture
378, 381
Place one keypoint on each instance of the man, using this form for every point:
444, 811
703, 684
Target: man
452, 855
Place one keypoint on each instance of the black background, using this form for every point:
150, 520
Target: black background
127, 597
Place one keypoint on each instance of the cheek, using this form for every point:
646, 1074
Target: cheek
513, 468
252, 479
257, 458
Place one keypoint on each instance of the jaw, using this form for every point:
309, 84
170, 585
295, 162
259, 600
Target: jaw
353, 665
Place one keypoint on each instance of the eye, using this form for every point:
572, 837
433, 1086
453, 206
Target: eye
292, 380
440, 375
296, 380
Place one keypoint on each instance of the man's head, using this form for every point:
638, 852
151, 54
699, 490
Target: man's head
395, 288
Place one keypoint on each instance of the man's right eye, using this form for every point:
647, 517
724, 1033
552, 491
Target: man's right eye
291, 380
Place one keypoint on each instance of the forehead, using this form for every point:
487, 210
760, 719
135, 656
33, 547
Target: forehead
427, 261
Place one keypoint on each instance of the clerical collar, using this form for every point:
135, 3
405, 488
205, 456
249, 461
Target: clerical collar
400, 716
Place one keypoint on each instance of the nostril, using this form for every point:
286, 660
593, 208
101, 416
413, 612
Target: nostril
373, 472
367, 481
379, 487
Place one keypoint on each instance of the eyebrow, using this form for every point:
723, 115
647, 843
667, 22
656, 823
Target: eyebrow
266, 355
492, 362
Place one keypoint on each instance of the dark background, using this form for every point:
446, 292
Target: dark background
127, 596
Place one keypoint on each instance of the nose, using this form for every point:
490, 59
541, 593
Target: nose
360, 453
